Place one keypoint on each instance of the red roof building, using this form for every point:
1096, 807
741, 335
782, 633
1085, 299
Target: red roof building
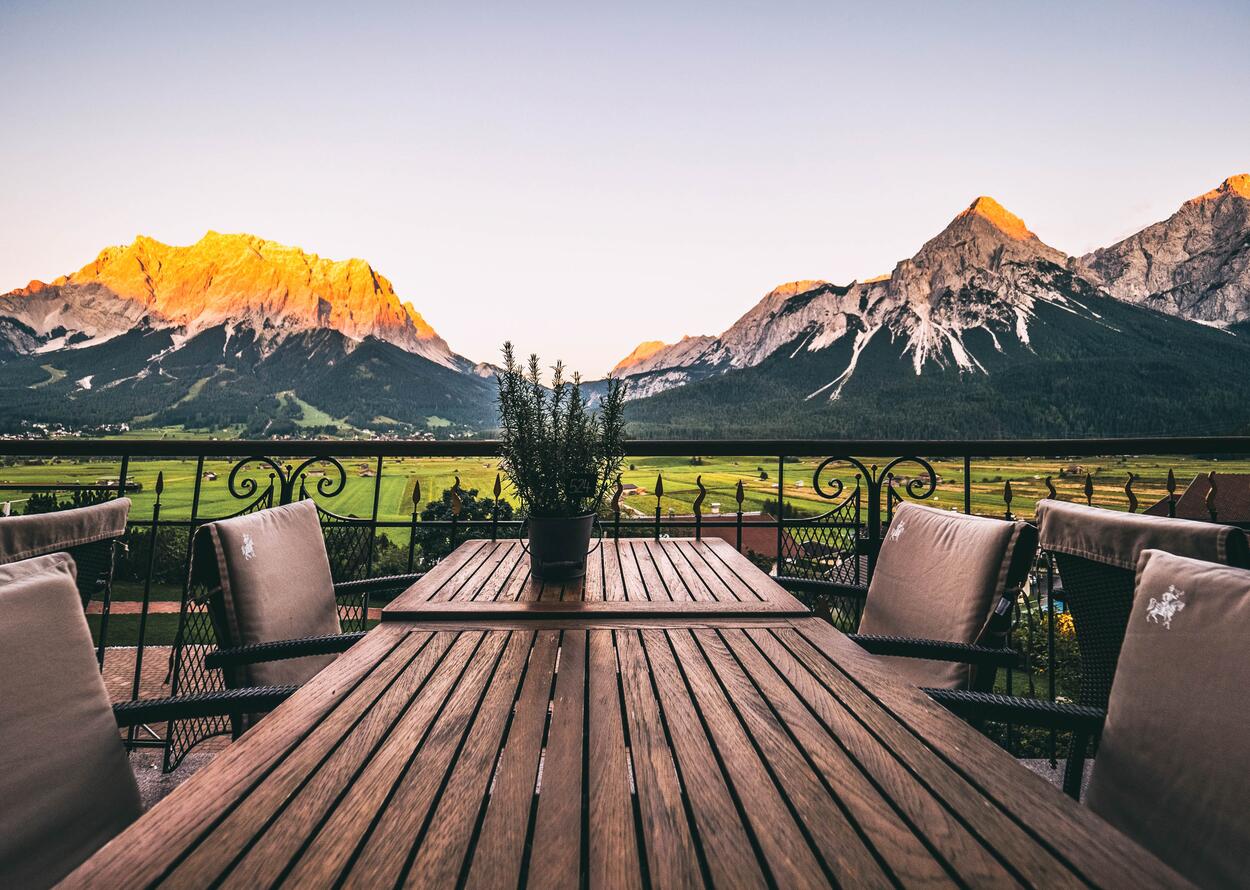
1231, 501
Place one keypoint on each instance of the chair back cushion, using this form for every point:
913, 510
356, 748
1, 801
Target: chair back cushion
66, 787
275, 585
1173, 765
1117, 539
938, 577
22, 537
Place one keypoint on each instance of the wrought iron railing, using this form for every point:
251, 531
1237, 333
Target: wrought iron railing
826, 507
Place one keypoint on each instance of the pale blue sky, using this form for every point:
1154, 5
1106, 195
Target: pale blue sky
579, 177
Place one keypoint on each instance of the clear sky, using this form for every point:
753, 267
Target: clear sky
579, 177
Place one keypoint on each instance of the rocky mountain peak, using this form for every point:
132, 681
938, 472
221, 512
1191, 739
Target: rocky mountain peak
1195, 263
997, 215
231, 278
640, 353
1235, 186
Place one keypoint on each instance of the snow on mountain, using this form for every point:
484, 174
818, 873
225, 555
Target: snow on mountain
985, 271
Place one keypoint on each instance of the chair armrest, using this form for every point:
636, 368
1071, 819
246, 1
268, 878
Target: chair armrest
280, 650
383, 583
939, 650
824, 588
207, 704
1013, 709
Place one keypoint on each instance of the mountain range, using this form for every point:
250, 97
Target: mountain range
232, 331
985, 331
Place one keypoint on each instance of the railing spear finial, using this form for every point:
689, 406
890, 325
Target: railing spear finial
1089, 489
1210, 499
698, 508
1007, 496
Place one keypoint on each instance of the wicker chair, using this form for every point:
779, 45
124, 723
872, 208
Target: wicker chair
64, 778
942, 596
224, 641
1173, 769
1096, 553
91, 535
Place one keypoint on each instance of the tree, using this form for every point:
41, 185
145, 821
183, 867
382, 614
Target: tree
434, 543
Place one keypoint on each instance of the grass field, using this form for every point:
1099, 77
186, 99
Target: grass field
720, 477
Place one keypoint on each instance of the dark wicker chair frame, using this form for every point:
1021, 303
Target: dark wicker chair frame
1085, 722
203, 662
95, 563
843, 605
229, 703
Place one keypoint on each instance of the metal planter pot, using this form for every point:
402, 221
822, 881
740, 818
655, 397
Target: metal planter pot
559, 545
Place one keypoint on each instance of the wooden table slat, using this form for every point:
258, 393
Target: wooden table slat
672, 577
1105, 856
837, 840
334, 842
145, 851
558, 819
501, 839
281, 839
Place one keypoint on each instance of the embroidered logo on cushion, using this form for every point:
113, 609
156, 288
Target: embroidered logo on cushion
897, 531
1162, 611
248, 548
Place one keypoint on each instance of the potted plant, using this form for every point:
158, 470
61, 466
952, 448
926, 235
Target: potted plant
560, 458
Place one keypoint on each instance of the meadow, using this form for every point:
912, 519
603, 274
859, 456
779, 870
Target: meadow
720, 477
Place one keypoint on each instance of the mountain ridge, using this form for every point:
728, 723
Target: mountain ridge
985, 236
227, 278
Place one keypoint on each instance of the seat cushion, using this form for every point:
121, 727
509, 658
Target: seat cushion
1173, 766
1117, 539
275, 585
64, 781
938, 577
22, 537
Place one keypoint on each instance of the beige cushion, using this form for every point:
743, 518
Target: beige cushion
275, 585
66, 788
1116, 539
938, 577
1173, 766
22, 537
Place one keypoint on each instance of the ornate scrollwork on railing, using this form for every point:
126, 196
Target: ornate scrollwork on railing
1128, 491
1051, 492
881, 495
286, 478
861, 472
918, 487
698, 507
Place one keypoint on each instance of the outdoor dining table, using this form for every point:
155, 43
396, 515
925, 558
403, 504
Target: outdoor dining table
666, 747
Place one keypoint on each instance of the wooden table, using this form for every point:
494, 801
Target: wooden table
490, 580
752, 752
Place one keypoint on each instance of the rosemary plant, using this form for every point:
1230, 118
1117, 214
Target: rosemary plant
559, 456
